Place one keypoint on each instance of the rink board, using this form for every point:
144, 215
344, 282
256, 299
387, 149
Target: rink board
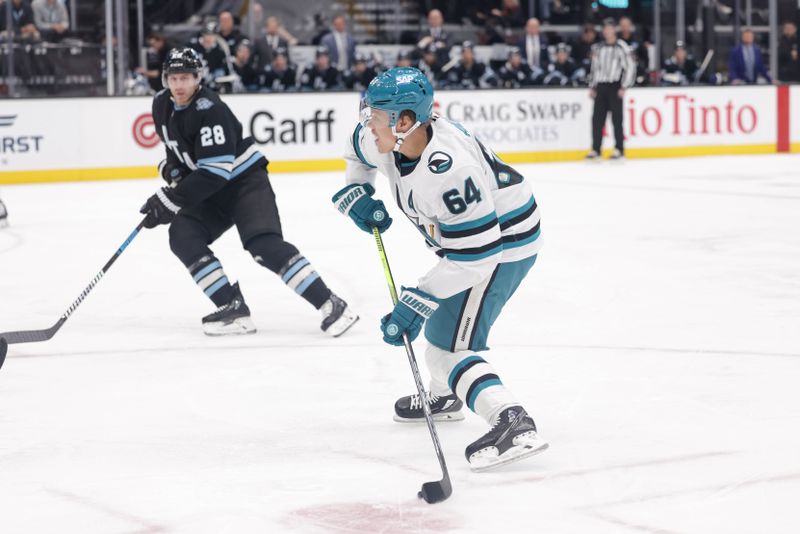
47, 140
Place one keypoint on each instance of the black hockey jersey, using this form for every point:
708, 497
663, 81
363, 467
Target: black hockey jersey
204, 138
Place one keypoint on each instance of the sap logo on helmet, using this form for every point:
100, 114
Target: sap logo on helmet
405, 78
203, 104
439, 162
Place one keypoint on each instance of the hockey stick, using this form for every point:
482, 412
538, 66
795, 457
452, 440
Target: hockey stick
431, 491
30, 336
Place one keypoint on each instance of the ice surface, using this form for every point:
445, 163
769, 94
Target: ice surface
656, 343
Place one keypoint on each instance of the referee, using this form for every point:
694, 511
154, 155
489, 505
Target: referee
613, 70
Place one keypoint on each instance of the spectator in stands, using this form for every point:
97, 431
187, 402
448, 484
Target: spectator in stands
515, 73
638, 49
50, 17
469, 73
429, 64
436, 36
582, 51
404, 59
788, 63
214, 57
340, 44
156, 55
534, 46
269, 42
244, 66
360, 74
22, 20
745, 62
499, 22
563, 70
280, 75
321, 75
228, 31
680, 68
212, 7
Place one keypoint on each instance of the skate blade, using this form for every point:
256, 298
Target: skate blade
240, 326
344, 323
522, 449
450, 417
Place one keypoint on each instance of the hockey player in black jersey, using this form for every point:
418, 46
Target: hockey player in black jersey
218, 179
3, 215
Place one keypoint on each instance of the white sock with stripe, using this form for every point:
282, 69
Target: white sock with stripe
473, 380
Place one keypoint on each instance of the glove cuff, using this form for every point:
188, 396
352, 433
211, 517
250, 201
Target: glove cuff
420, 302
165, 199
347, 197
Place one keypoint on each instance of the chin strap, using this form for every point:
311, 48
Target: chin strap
401, 136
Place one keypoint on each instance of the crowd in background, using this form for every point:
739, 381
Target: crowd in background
262, 63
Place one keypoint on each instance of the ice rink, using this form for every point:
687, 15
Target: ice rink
656, 343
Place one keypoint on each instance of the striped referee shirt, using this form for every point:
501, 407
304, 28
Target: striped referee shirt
612, 63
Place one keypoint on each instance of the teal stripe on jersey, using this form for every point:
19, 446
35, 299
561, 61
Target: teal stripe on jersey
526, 241
358, 148
469, 225
460, 256
513, 213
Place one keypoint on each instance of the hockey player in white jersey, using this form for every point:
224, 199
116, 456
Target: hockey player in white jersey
480, 217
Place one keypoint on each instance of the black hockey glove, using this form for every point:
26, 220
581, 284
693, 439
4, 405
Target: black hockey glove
171, 173
160, 208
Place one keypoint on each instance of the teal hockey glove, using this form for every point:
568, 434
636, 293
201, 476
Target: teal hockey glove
410, 312
356, 201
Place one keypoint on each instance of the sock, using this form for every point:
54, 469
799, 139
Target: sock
208, 274
299, 275
472, 379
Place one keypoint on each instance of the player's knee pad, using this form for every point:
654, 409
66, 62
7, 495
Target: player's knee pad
271, 251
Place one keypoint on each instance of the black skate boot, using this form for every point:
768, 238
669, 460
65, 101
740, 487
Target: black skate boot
337, 317
446, 408
3, 215
513, 437
231, 319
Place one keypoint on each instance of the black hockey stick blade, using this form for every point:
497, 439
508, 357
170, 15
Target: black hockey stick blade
3, 351
433, 492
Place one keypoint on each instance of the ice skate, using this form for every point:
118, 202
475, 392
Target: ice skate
443, 409
232, 318
512, 438
337, 317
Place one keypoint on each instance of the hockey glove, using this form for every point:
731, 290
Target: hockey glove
170, 172
161, 208
356, 201
411, 310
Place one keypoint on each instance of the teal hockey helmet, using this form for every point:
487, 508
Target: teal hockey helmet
400, 89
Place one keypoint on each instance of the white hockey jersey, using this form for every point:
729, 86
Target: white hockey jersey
474, 210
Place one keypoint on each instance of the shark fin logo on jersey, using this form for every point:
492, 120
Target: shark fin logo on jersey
439, 162
203, 104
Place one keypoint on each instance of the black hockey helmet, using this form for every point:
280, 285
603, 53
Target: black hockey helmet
181, 59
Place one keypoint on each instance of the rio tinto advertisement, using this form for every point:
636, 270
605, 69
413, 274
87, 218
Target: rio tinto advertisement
560, 120
679, 117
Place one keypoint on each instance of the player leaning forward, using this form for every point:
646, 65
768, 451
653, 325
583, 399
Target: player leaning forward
218, 179
479, 216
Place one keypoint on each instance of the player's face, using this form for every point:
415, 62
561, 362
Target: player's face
377, 121
182, 85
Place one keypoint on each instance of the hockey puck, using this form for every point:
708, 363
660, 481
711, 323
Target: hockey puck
3, 350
